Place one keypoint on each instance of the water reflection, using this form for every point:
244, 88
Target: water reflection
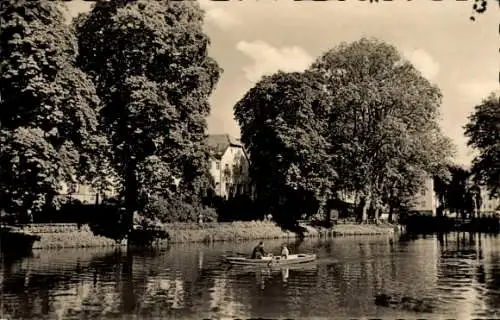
446, 276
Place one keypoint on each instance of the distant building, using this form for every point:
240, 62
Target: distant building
84, 193
425, 201
229, 166
489, 205
347, 196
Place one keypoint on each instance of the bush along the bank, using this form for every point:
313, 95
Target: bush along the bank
178, 210
228, 231
74, 239
252, 230
146, 232
239, 208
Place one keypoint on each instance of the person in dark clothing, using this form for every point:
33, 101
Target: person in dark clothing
258, 251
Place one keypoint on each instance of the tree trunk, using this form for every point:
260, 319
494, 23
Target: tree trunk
131, 195
377, 212
391, 212
129, 297
322, 209
48, 207
366, 205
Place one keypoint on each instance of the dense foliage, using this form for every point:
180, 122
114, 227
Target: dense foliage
458, 194
176, 209
361, 119
47, 106
120, 99
149, 62
290, 157
383, 120
483, 131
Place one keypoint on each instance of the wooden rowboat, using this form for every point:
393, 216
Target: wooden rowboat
272, 261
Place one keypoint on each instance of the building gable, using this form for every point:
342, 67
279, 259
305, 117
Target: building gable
218, 144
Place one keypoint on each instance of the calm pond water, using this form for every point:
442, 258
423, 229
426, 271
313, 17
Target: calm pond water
454, 276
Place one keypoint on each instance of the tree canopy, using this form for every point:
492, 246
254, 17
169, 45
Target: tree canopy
47, 105
149, 62
383, 117
457, 194
285, 138
370, 118
483, 131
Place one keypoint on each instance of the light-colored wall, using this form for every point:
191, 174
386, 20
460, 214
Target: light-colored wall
230, 157
488, 205
83, 193
347, 196
425, 200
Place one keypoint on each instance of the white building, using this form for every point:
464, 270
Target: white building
425, 201
229, 166
489, 205
85, 193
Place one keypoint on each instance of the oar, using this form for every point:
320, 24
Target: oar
242, 254
246, 254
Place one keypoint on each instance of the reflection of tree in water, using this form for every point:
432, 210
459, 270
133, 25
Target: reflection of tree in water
128, 296
462, 277
106, 285
181, 284
41, 286
492, 279
56, 285
457, 252
372, 267
258, 291
137, 284
217, 294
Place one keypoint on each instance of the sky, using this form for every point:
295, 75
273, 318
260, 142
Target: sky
252, 38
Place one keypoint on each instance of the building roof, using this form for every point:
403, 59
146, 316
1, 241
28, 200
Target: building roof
218, 144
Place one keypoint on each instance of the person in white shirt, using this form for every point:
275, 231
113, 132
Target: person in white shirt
284, 252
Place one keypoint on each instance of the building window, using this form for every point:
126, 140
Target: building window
227, 171
73, 188
217, 165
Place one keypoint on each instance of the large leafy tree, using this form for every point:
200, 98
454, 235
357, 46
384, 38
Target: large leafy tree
149, 62
483, 131
291, 161
383, 118
47, 105
458, 192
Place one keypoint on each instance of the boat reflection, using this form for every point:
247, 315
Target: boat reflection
265, 275
285, 273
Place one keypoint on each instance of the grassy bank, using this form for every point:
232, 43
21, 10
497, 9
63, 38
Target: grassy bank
72, 236
363, 229
231, 231
236, 231
72, 240
57, 236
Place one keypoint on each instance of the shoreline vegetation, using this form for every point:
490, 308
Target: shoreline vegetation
72, 235
58, 236
127, 119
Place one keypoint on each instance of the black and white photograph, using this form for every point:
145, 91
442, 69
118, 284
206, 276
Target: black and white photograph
249, 159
